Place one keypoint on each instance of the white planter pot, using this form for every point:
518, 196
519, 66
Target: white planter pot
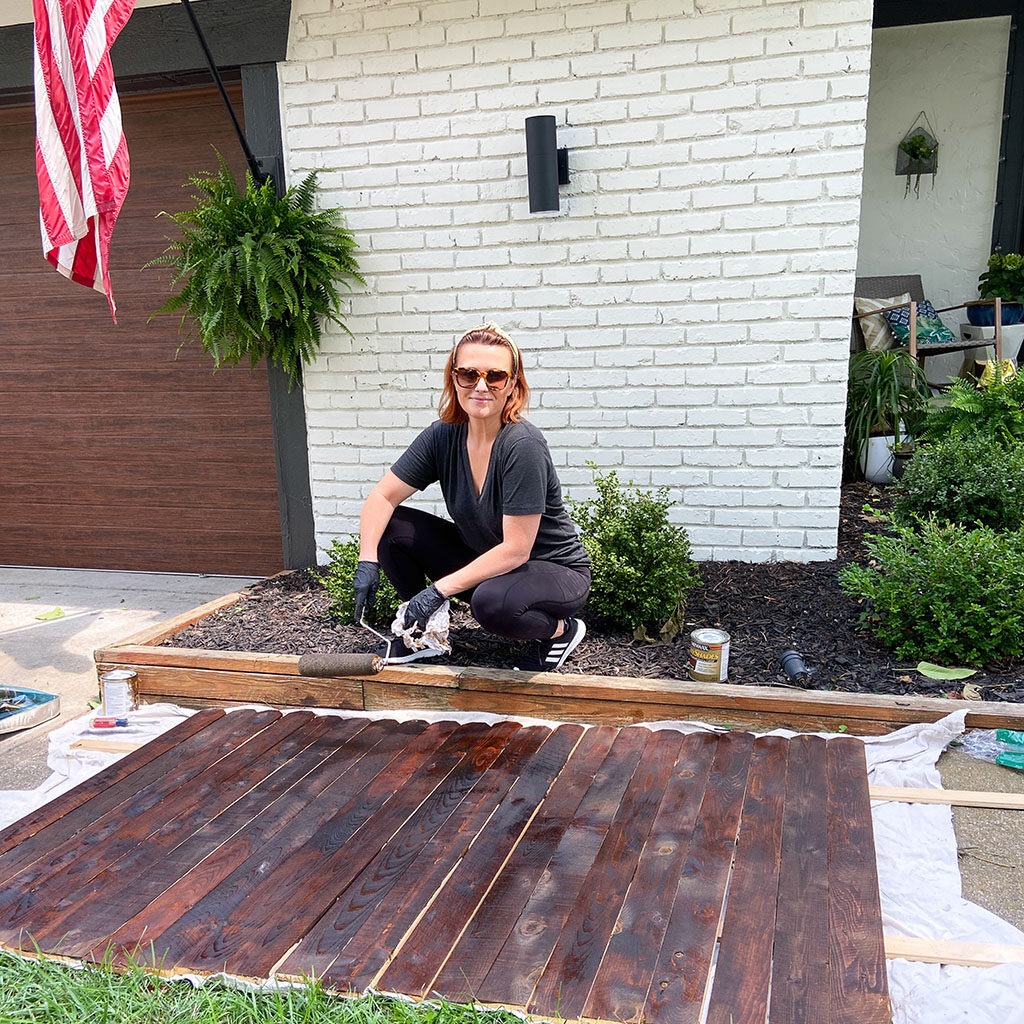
876, 459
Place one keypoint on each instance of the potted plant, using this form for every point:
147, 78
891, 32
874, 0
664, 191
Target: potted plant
1003, 279
260, 270
886, 400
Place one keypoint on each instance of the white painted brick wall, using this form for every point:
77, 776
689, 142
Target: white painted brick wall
684, 318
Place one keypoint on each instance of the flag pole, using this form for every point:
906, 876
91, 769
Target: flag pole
254, 165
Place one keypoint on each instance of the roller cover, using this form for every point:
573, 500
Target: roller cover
324, 666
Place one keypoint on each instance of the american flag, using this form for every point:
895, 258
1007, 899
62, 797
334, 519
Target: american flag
81, 155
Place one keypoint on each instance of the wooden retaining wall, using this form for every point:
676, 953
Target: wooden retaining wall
201, 678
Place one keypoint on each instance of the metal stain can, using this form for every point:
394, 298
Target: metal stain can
119, 692
709, 655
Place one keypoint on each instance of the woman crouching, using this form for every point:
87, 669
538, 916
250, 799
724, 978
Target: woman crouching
510, 548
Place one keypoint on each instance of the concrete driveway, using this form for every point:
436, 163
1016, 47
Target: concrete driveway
55, 654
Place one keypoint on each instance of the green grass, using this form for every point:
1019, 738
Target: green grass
45, 992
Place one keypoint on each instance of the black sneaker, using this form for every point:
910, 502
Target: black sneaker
394, 652
551, 654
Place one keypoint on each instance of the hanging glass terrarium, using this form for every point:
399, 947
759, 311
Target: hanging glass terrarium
917, 154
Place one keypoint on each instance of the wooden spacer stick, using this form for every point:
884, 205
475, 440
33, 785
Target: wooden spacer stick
106, 746
960, 797
945, 951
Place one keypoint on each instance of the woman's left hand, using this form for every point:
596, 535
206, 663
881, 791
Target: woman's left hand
422, 606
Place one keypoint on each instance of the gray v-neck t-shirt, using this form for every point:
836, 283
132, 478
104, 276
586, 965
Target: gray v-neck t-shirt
521, 481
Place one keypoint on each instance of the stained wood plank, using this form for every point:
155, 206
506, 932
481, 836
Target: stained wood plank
266, 832
419, 812
292, 895
624, 976
566, 980
857, 980
480, 943
800, 965
517, 968
562, 872
139, 790
409, 961
220, 811
297, 859
529, 763
681, 973
739, 994
51, 879
26, 827
182, 812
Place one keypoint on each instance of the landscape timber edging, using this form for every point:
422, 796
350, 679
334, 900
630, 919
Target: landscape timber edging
202, 678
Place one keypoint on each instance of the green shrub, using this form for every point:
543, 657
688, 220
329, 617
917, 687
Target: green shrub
943, 592
995, 411
641, 563
972, 480
337, 580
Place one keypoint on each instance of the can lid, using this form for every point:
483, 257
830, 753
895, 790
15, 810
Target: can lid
709, 636
117, 674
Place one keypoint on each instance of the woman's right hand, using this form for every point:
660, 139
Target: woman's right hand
365, 584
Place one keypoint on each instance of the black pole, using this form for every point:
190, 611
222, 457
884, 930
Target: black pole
254, 166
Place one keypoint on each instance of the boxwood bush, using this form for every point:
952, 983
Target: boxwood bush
337, 579
641, 563
943, 591
971, 480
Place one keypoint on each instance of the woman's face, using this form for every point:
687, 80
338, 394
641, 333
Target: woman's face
480, 402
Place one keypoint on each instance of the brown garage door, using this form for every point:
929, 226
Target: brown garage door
117, 450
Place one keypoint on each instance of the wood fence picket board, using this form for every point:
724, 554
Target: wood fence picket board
558, 870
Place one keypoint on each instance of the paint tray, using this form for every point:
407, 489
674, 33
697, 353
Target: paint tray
22, 709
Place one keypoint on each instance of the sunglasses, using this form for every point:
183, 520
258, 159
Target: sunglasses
467, 377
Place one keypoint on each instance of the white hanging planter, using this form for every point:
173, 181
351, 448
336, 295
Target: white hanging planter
876, 459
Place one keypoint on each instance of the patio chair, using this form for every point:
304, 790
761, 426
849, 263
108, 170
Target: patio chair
883, 287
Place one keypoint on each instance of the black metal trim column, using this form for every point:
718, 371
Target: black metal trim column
287, 410
1008, 219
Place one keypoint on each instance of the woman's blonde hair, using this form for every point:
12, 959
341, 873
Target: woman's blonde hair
449, 410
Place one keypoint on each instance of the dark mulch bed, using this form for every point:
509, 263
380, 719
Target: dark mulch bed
766, 609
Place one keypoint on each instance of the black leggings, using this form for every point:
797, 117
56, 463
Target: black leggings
524, 604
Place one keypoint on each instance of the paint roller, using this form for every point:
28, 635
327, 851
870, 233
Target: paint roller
325, 665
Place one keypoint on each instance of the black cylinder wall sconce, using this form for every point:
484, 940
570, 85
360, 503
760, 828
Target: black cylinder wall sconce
547, 166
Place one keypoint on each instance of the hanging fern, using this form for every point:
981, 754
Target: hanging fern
259, 271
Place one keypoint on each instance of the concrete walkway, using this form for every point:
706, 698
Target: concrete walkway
55, 655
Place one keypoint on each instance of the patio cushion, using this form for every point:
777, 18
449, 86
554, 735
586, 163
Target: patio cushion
930, 328
876, 332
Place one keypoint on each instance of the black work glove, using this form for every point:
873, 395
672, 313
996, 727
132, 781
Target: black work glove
422, 606
365, 584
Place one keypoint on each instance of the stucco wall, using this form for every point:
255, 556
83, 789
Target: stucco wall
685, 318
956, 73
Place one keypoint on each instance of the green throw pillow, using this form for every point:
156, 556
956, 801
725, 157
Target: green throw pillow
930, 329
